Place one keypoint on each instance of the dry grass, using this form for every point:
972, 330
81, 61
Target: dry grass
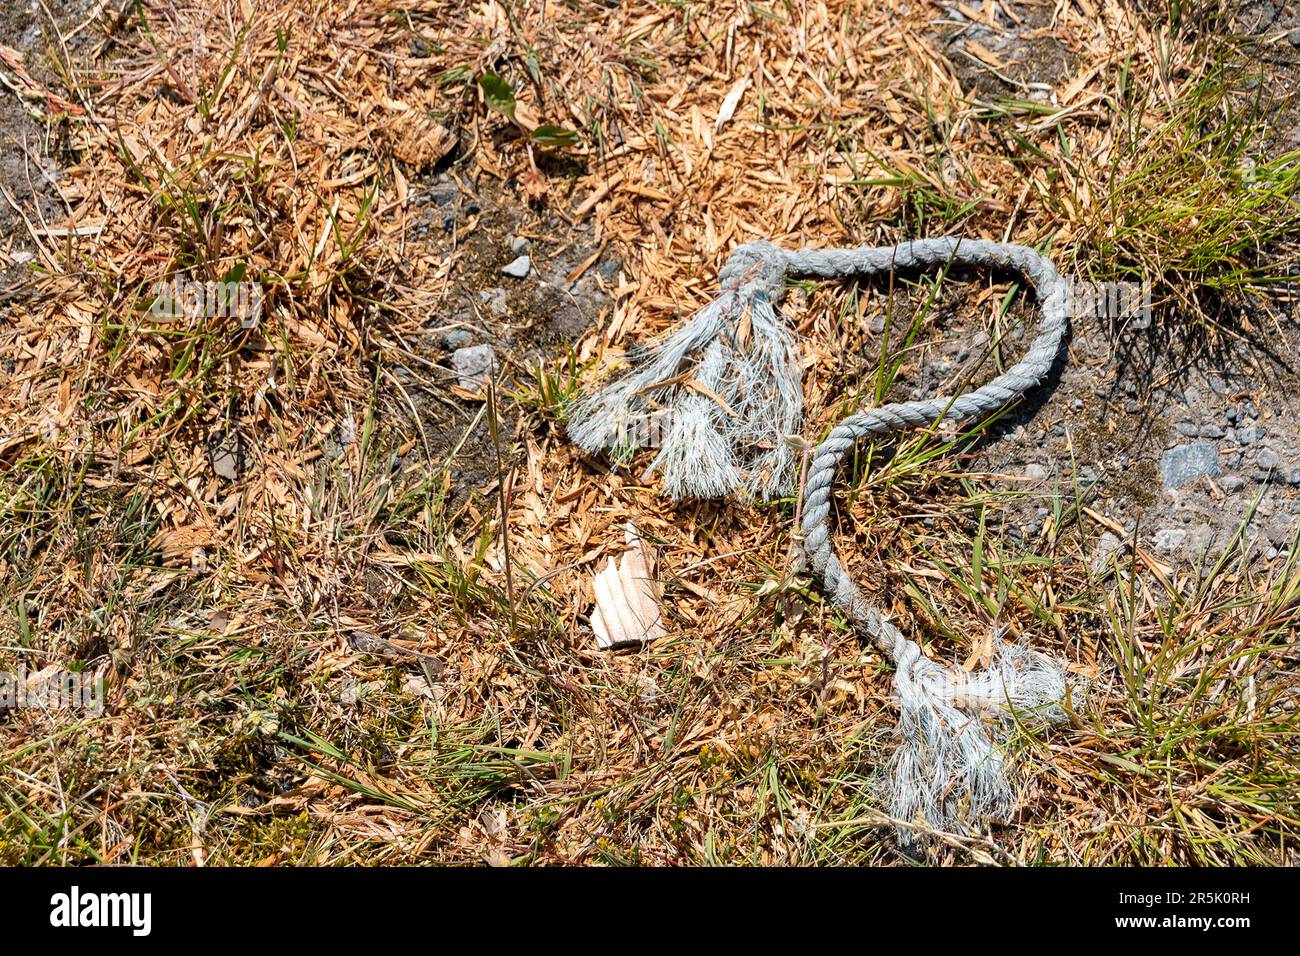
320, 661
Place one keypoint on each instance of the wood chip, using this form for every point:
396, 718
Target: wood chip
627, 611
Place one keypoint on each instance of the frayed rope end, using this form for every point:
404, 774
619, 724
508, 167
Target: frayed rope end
949, 772
717, 400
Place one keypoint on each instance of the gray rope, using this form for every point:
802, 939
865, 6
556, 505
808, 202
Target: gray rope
728, 432
947, 768
1007, 387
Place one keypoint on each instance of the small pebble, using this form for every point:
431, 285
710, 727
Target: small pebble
519, 269
496, 301
1187, 429
1211, 431
1168, 540
473, 365
1279, 532
1267, 459
519, 245
1186, 463
1232, 483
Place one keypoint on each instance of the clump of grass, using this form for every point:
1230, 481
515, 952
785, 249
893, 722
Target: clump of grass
1189, 198
553, 386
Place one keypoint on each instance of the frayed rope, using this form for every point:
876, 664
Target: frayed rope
725, 424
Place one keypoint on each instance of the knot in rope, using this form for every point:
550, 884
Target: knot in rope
758, 264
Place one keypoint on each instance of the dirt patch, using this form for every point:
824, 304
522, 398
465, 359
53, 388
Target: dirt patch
1008, 50
1182, 443
30, 145
1271, 32
483, 229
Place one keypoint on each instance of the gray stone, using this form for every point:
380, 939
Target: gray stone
1294, 37
1107, 545
473, 365
1186, 463
496, 301
1035, 471
457, 339
1187, 429
1267, 458
519, 245
519, 269
1198, 540
1280, 531
1232, 483
1168, 540
1211, 431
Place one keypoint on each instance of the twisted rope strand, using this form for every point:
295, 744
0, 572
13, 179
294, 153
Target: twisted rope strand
947, 768
989, 398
